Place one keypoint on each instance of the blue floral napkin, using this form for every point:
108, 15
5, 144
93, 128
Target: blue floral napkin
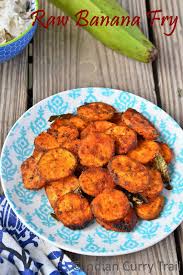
22, 252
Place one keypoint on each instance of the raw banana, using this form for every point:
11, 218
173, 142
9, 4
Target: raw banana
128, 40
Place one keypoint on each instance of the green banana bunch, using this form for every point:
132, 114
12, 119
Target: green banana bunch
127, 40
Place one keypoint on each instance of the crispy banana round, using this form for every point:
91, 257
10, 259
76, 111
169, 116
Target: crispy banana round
45, 142
31, 177
96, 150
125, 138
93, 181
73, 211
56, 189
151, 210
78, 122
96, 111
166, 152
96, 127
140, 124
66, 133
57, 164
69, 120
129, 174
155, 187
145, 152
111, 205
72, 146
61, 120
124, 225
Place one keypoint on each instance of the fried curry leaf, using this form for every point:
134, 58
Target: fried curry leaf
54, 216
136, 199
64, 116
161, 165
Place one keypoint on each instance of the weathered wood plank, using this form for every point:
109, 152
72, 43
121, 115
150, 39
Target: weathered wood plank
169, 63
170, 67
69, 58
13, 93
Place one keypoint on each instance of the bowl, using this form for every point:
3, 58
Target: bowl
14, 47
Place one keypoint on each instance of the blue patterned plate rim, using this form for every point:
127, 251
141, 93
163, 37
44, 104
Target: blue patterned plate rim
100, 242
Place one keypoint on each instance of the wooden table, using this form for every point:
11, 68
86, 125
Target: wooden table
61, 59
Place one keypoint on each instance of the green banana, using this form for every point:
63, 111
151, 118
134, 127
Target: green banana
128, 40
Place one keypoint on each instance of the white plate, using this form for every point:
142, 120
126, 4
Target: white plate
33, 207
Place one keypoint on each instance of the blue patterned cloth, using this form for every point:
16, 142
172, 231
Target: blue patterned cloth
22, 252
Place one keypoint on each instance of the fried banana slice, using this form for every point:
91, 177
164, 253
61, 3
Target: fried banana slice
45, 142
111, 205
31, 177
60, 121
140, 124
93, 181
96, 111
125, 138
145, 152
57, 164
96, 127
124, 225
71, 120
78, 122
155, 187
73, 211
151, 210
72, 146
129, 174
96, 150
66, 133
56, 189
166, 152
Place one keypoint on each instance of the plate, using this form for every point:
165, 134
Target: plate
33, 208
